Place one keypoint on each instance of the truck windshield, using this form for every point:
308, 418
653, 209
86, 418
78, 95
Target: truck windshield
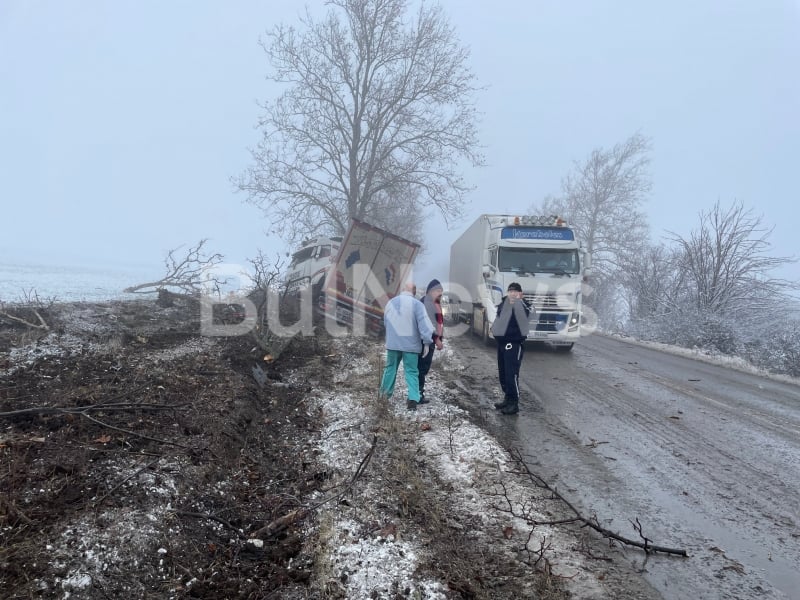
300, 256
538, 260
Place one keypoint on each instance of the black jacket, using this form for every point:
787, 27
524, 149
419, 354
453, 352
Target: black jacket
512, 321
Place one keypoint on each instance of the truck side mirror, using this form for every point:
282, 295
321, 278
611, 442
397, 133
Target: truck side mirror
487, 271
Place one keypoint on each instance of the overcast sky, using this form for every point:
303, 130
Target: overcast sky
121, 122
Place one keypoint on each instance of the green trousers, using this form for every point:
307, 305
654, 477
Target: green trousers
410, 368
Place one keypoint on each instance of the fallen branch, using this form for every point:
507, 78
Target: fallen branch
121, 406
516, 456
190, 274
41, 325
133, 433
283, 522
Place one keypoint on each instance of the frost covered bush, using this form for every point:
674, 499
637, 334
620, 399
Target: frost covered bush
762, 344
654, 329
777, 352
720, 335
688, 329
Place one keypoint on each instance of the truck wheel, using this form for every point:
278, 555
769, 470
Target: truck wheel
473, 324
485, 336
317, 296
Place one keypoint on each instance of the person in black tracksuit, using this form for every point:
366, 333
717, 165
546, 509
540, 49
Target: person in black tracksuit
510, 329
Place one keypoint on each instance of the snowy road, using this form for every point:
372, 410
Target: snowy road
706, 457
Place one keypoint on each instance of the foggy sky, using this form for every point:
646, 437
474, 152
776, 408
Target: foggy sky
121, 123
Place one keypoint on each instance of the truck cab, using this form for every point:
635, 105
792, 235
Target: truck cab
310, 263
540, 253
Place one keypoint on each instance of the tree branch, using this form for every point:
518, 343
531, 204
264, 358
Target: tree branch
516, 456
188, 274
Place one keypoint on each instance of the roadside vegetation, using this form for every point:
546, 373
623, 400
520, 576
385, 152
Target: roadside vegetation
714, 289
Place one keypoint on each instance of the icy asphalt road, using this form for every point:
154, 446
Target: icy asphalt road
706, 457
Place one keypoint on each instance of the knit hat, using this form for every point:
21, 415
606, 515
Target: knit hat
514, 286
434, 284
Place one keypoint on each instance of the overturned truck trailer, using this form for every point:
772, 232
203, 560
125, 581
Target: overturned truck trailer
368, 271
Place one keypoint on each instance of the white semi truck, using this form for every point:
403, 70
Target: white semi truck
541, 254
353, 277
310, 264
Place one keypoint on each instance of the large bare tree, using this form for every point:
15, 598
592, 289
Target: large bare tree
602, 200
727, 266
376, 116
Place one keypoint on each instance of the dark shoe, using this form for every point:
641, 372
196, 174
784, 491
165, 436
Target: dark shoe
423, 400
503, 404
511, 408
411, 405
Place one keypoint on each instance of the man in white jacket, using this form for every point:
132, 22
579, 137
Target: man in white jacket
408, 331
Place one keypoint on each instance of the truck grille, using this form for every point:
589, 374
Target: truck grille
551, 322
550, 301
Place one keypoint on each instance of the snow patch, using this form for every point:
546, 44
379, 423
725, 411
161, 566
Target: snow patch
369, 565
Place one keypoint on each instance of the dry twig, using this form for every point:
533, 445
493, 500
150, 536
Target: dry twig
133, 433
100, 500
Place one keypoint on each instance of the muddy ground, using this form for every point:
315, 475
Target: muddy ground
157, 447
139, 459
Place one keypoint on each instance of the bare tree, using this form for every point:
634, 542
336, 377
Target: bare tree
601, 201
376, 115
652, 283
266, 285
188, 274
727, 266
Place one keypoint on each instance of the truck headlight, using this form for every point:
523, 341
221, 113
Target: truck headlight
574, 321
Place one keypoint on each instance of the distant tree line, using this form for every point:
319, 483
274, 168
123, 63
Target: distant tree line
714, 289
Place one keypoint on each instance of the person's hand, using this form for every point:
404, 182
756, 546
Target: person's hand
439, 344
425, 349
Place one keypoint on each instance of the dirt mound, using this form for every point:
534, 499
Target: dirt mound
137, 457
